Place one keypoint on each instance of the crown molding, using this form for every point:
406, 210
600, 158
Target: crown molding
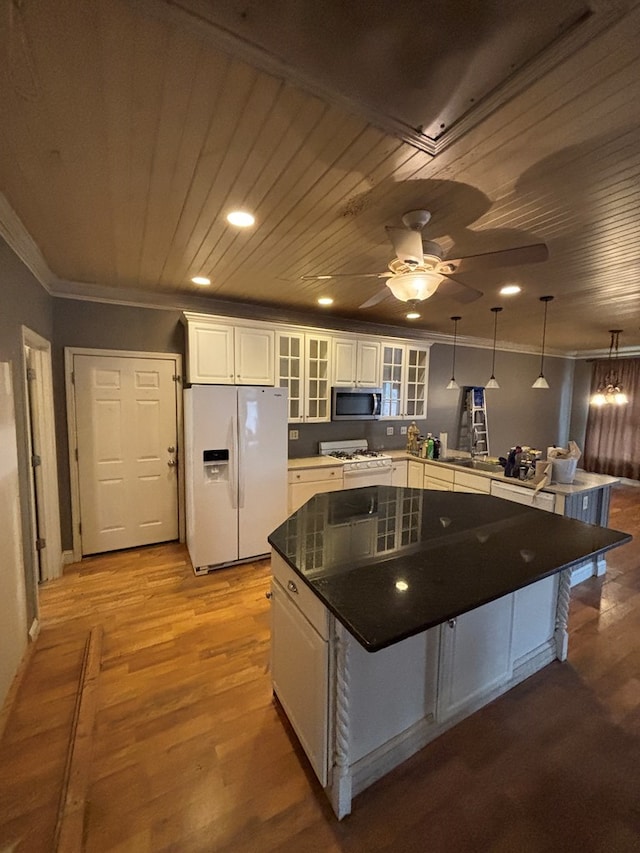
16, 236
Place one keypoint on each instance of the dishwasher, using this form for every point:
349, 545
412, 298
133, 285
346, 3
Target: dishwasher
523, 495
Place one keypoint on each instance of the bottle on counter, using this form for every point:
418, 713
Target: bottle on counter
430, 446
436, 448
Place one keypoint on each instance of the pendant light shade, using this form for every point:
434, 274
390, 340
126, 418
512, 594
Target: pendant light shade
541, 382
493, 382
453, 385
610, 390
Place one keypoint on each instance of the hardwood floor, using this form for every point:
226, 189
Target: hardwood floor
191, 754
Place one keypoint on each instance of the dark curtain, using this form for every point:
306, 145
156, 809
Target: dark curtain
612, 443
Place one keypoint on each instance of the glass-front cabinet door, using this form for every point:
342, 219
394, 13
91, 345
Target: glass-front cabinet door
318, 405
417, 372
392, 365
290, 349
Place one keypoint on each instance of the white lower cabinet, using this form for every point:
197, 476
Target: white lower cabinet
307, 482
300, 674
399, 473
437, 477
465, 482
414, 474
475, 656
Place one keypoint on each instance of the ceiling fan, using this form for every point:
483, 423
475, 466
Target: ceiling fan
420, 268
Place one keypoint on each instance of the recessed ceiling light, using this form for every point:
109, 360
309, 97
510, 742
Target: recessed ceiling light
201, 279
325, 300
510, 289
413, 315
240, 218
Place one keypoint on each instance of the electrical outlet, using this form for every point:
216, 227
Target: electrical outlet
403, 430
389, 430
585, 501
293, 434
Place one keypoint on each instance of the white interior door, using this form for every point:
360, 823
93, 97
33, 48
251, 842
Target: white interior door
126, 422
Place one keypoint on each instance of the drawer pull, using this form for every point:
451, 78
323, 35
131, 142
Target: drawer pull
292, 587
268, 595
451, 623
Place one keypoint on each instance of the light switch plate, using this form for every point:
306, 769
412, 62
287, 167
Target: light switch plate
293, 434
403, 430
389, 430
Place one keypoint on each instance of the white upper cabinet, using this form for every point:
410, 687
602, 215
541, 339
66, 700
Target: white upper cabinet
253, 351
405, 373
356, 363
228, 354
317, 379
304, 367
290, 371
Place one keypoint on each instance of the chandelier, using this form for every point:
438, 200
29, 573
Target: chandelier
610, 390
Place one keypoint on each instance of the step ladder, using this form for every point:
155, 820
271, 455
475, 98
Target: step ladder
473, 433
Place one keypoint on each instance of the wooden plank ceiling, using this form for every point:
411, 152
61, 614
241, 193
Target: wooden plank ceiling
130, 129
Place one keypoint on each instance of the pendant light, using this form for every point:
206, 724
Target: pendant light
610, 390
541, 382
453, 385
493, 382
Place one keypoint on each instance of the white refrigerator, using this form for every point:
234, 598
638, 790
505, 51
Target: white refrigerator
235, 471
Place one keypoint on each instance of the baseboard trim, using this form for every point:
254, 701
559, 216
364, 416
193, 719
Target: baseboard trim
34, 630
67, 558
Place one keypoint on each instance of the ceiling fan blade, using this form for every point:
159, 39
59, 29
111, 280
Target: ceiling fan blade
458, 291
534, 254
407, 244
378, 297
343, 275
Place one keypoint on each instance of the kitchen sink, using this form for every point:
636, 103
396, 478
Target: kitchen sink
475, 464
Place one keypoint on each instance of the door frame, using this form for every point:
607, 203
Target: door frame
72, 430
51, 557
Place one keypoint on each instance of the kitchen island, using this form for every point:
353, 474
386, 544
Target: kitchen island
397, 612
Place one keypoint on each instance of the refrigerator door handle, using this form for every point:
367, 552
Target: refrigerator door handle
241, 451
233, 463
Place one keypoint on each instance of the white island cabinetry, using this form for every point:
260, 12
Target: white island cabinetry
358, 714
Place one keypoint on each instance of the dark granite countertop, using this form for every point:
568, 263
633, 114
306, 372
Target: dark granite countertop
391, 562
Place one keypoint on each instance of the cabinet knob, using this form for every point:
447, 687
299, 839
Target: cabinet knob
268, 595
297, 476
451, 623
292, 587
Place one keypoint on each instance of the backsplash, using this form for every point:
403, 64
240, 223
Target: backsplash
374, 432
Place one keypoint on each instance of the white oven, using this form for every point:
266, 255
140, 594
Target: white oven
368, 472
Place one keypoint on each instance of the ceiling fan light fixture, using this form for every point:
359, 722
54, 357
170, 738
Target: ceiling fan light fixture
414, 286
541, 382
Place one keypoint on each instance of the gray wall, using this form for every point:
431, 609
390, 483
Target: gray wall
23, 302
96, 325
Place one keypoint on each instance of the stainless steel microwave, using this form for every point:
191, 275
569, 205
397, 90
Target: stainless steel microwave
355, 404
